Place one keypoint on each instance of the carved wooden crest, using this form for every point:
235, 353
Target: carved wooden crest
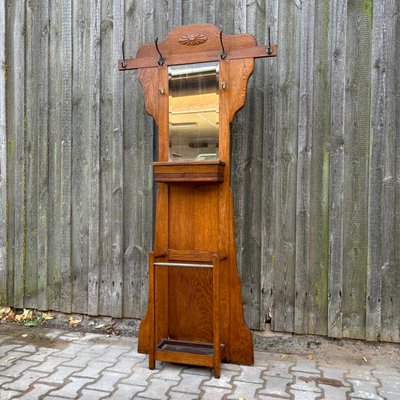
193, 39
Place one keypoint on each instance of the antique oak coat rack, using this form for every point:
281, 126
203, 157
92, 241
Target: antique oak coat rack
194, 82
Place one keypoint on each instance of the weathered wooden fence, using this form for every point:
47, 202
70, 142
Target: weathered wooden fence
316, 152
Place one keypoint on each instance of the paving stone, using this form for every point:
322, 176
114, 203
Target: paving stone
37, 390
81, 360
157, 389
276, 386
10, 358
25, 380
198, 371
123, 365
391, 386
224, 381
250, 374
299, 395
305, 382
364, 390
5, 379
214, 393
139, 377
306, 366
125, 392
362, 374
390, 396
107, 381
5, 348
170, 372
182, 396
245, 390
54, 333
93, 369
8, 394
380, 370
72, 350
279, 368
93, 395
40, 355
51, 363
110, 355
190, 383
335, 393
59, 375
230, 367
16, 369
71, 389
335, 373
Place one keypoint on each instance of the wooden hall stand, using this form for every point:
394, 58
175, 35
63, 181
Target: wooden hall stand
194, 82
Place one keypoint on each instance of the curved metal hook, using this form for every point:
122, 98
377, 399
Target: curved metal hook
161, 60
269, 50
223, 53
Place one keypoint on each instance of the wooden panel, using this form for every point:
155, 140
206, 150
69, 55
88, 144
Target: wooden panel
317, 310
336, 171
94, 162
356, 149
66, 160
54, 165
3, 159
80, 156
285, 180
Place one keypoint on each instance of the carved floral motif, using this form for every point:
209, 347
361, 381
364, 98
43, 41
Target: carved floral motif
193, 39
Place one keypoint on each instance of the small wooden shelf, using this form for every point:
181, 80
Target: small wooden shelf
185, 352
189, 172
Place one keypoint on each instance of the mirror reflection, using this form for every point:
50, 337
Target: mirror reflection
193, 112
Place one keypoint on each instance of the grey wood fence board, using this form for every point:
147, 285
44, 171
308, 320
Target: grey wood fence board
117, 184
285, 180
134, 138
268, 176
376, 171
337, 63
390, 267
303, 278
358, 53
94, 160
43, 156
55, 128
106, 126
32, 44
319, 178
66, 158
3, 158
81, 21
18, 136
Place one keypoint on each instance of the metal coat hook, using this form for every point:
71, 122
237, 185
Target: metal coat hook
123, 64
161, 60
223, 53
269, 50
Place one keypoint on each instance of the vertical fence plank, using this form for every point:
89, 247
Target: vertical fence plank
303, 278
3, 158
286, 160
94, 161
106, 129
54, 162
134, 135
117, 184
17, 137
356, 147
337, 65
319, 178
268, 176
66, 159
32, 51
43, 156
390, 205
80, 158
377, 168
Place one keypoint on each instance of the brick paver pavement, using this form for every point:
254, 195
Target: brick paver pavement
72, 365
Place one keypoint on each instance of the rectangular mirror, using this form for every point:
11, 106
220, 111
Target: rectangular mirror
193, 111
